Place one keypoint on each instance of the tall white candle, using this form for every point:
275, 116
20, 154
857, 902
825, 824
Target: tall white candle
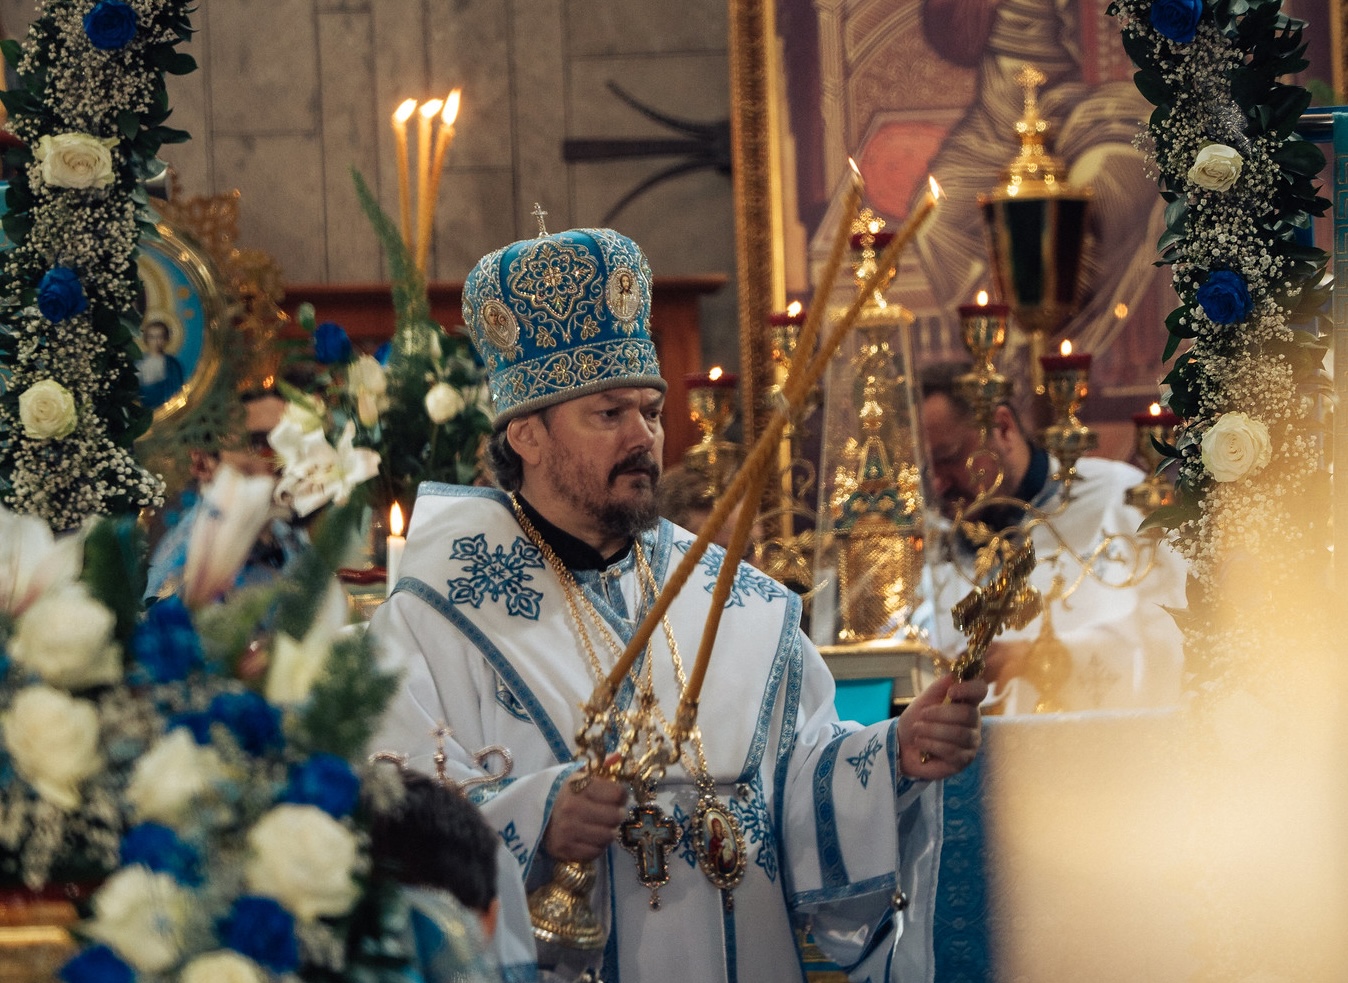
397, 542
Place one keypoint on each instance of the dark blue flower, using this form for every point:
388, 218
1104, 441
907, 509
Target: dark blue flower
325, 781
331, 345
197, 721
110, 25
262, 930
97, 964
60, 294
166, 644
159, 848
1225, 298
381, 353
1177, 19
254, 722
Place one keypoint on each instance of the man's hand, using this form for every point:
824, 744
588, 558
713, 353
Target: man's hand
939, 731
584, 823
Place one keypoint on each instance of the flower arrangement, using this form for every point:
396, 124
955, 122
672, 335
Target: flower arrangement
420, 402
204, 771
90, 111
1241, 190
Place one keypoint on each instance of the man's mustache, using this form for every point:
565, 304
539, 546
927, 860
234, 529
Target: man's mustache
638, 463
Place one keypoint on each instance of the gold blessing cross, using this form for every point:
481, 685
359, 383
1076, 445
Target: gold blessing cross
1007, 601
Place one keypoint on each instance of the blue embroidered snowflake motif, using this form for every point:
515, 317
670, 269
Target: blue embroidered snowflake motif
753, 819
685, 845
507, 700
864, 761
838, 731
496, 574
747, 579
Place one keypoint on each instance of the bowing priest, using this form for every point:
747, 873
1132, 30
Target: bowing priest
513, 604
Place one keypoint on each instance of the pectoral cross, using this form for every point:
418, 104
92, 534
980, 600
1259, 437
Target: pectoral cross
1007, 601
647, 833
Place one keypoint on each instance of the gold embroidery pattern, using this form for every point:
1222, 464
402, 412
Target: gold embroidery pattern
567, 369
556, 277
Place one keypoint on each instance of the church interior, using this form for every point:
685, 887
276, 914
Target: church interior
1000, 339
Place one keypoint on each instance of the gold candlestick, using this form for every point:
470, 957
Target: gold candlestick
983, 330
1067, 382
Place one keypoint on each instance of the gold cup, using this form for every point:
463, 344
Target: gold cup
983, 330
1155, 491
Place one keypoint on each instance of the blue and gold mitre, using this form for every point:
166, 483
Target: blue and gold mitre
561, 316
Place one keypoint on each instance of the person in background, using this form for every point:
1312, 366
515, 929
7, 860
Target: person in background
281, 539
685, 496
1125, 646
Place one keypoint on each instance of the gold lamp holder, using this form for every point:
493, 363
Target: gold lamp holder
1155, 491
1067, 382
712, 398
983, 330
1036, 224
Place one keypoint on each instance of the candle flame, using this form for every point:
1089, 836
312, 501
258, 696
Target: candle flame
404, 111
1065, 348
715, 373
429, 109
1154, 409
451, 110
395, 519
935, 188
981, 298
794, 308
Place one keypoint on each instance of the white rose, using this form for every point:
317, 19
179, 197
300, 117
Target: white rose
53, 739
368, 385
169, 777
1236, 446
76, 160
443, 403
66, 638
47, 410
303, 858
140, 914
222, 966
1216, 167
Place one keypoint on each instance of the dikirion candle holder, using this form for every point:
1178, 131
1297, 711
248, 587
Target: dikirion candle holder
1067, 383
1156, 426
983, 330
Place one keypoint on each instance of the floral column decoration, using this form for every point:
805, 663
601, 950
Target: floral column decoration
1241, 189
90, 111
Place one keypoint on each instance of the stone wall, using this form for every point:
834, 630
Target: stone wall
291, 94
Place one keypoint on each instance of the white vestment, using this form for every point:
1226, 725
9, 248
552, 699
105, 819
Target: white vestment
1126, 648
833, 833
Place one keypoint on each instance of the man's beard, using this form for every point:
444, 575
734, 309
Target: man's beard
619, 519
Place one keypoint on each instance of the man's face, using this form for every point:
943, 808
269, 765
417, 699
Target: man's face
260, 416
603, 456
952, 439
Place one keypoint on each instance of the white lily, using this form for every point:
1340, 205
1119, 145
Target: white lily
233, 510
324, 473
33, 560
296, 666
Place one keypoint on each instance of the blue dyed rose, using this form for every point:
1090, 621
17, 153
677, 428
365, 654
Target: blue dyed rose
262, 930
325, 781
1177, 19
381, 353
110, 25
1225, 298
166, 644
159, 848
60, 294
98, 964
331, 345
254, 722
